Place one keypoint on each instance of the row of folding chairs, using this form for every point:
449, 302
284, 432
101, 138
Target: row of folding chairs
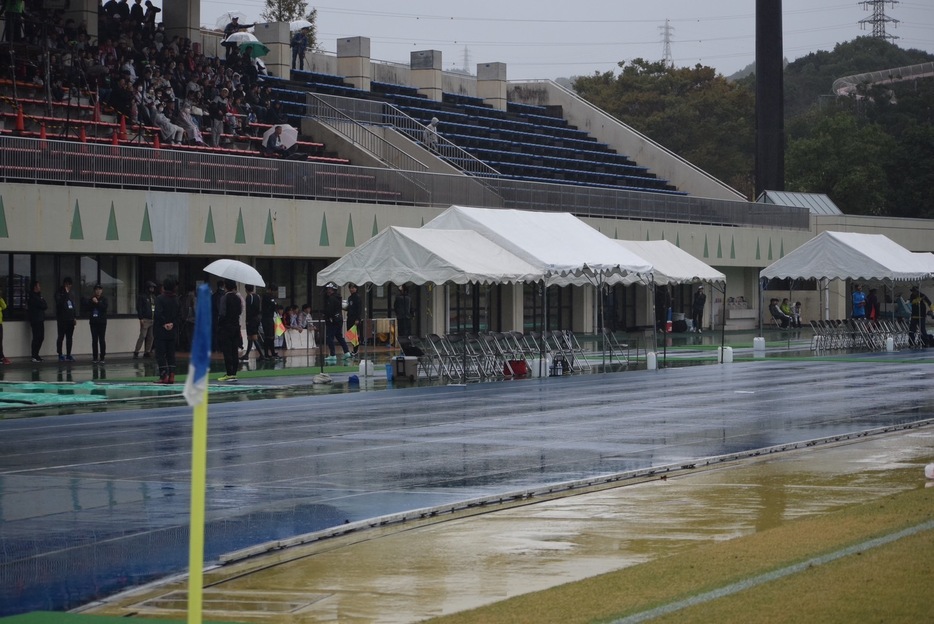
866, 334
498, 354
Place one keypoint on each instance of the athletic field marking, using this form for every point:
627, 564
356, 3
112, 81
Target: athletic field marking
774, 575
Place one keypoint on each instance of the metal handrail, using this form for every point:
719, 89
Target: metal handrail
51, 161
847, 85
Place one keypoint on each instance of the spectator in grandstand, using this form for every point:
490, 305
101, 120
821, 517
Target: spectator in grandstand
145, 311
218, 110
35, 312
13, 28
66, 317
136, 12
170, 132
97, 321
275, 114
233, 26
123, 10
431, 134
274, 146
189, 123
149, 18
299, 45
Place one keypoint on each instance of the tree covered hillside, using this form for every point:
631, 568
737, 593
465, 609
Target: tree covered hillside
872, 153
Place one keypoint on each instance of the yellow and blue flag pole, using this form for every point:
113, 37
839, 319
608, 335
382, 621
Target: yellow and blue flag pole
196, 393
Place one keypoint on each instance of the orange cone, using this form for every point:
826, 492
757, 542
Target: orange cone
82, 135
20, 122
123, 127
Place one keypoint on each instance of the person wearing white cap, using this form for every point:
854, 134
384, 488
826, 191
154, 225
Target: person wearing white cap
697, 309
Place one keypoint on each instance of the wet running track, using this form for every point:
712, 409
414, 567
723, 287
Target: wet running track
93, 503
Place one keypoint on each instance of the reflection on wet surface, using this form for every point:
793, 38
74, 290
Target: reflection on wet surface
414, 574
99, 501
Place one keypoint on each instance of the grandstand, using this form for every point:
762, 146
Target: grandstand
92, 189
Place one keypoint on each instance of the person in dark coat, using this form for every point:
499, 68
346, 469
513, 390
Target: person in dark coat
402, 307
96, 305
697, 309
228, 329
166, 332
66, 317
35, 312
334, 323
268, 317
354, 314
254, 318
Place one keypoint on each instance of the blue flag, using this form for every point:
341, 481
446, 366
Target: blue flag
196, 385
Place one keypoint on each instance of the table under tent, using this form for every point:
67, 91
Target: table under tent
848, 256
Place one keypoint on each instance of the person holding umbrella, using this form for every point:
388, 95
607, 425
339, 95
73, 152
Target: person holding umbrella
274, 145
228, 328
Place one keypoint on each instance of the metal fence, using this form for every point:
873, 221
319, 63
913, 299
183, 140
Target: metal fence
45, 161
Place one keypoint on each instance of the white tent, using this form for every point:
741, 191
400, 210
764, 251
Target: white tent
671, 264
847, 255
561, 246
420, 256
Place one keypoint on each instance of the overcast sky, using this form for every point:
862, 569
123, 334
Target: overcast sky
550, 39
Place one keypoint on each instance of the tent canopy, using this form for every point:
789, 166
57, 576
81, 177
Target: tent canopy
564, 248
847, 255
671, 264
420, 256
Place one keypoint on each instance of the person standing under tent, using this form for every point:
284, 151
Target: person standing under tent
66, 317
35, 312
334, 323
697, 309
165, 331
228, 329
404, 311
872, 306
859, 302
354, 314
97, 321
919, 310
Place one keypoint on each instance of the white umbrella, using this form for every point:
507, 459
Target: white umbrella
227, 17
288, 138
299, 24
241, 37
236, 271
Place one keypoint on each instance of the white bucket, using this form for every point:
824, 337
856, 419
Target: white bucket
889, 344
651, 361
929, 471
758, 343
538, 368
366, 368
725, 355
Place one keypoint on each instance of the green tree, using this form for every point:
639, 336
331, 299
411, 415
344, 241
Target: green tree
693, 111
848, 160
291, 10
